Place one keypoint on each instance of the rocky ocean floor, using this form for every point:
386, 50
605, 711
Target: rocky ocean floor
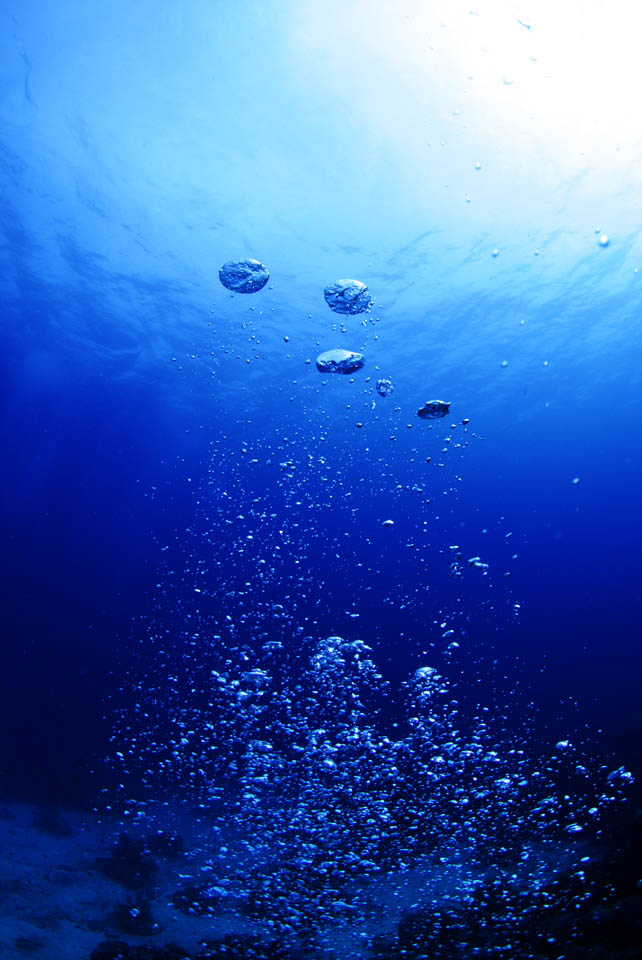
72, 888
75, 888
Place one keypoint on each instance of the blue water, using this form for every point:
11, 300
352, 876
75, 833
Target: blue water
182, 489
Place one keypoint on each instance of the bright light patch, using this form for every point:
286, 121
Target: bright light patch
567, 75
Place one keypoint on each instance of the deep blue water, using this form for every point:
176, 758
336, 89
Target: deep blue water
175, 468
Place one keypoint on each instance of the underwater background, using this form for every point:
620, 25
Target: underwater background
287, 669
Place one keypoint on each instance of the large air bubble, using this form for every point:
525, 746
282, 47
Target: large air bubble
340, 361
347, 296
244, 276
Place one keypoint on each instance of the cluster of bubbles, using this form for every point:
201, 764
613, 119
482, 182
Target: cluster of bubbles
343, 296
340, 816
332, 812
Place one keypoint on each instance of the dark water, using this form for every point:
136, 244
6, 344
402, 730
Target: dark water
243, 712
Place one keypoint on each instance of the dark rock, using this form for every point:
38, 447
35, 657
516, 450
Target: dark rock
134, 917
48, 820
28, 944
165, 844
170, 952
130, 864
118, 950
112, 950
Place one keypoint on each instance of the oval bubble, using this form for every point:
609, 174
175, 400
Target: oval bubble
244, 276
340, 361
347, 296
433, 409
